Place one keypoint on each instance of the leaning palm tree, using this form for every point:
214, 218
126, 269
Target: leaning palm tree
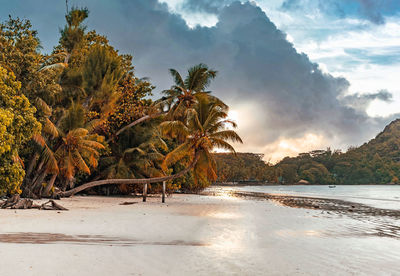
42, 153
62, 151
202, 131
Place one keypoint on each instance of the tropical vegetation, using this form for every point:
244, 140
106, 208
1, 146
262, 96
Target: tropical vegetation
79, 118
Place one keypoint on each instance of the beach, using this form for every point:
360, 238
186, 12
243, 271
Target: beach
220, 234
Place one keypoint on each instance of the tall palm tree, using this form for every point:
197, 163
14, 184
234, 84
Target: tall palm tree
180, 96
202, 131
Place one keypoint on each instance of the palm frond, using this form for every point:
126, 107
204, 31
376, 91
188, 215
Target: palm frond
50, 128
46, 109
227, 135
78, 132
93, 124
92, 144
177, 77
220, 143
50, 160
39, 139
174, 129
80, 163
177, 154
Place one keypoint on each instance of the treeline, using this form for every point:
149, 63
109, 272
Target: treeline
80, 115
243, 167
375, 162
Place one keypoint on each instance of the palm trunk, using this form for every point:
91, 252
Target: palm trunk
36, 186
50, 185
31, 165
138, 121
38, 173
129, 181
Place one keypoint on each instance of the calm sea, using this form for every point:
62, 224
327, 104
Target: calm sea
381, 196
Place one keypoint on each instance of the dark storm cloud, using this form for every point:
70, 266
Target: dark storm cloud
288, 95
276, 91
372, 10
361, 102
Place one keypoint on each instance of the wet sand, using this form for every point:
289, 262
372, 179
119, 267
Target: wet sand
328, 204
196, 235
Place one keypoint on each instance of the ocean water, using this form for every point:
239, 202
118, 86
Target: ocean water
380, 196
300, 241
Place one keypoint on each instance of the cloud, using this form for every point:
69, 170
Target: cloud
204, 6
371, 10
361, 102
277, 92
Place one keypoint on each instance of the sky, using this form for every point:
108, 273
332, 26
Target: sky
298, 74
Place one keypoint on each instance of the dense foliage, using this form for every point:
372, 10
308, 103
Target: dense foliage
243, 167
80, 115
17, 125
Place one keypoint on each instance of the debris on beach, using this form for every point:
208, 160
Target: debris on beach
16, 202
128, 203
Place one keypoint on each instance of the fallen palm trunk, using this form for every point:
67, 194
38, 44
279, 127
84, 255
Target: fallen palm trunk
129, 181
16, 202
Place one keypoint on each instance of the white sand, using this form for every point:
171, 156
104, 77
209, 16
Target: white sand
192, 235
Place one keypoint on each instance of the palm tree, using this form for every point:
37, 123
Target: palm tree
135, 156
63, 150
77, 151
42, 154
180, 96
202, 131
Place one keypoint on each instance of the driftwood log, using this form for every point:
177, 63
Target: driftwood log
16, 202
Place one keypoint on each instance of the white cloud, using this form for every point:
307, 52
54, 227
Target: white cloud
367, 55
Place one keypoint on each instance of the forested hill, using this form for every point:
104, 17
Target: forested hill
375, 162
386, 143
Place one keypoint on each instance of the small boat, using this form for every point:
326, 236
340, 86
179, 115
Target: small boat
332, 186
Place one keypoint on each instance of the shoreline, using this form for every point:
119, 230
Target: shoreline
190, 234
320, 203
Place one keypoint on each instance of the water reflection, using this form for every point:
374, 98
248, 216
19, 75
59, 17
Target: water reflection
228, 241
225, 215
286, 233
